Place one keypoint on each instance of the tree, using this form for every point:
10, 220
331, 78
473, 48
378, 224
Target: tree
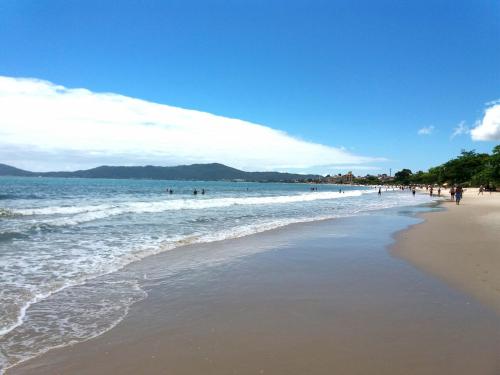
495, 165
489, 174
402, 177
461, 169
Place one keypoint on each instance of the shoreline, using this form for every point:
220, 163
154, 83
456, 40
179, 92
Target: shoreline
326, 289
459, 245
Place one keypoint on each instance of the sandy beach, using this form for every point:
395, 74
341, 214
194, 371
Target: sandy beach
460, 245
316, 298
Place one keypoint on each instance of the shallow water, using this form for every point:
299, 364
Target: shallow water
62, 241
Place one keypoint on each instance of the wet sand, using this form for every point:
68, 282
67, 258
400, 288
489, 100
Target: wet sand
460, 245
316, 298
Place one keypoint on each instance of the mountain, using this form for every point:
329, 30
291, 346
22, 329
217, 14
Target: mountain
7, 170
206, 172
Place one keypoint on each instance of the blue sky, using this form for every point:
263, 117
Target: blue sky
361, 75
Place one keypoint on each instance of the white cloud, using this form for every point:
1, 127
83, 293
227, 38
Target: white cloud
426, 130
53, 127
488, 129
460, 129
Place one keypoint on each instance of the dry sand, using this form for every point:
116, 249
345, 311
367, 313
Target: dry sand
460, 245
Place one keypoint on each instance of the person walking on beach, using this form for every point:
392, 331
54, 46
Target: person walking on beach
458, 194
439, 191
481, 190
452, 193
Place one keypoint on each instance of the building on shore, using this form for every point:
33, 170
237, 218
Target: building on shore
347, 178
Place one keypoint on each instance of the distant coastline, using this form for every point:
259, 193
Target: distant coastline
193, 172
468, 169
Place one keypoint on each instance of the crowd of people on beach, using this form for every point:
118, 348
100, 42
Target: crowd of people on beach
456, 191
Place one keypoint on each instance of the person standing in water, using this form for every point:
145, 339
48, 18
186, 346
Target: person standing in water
413, 191
379, 191
439, 191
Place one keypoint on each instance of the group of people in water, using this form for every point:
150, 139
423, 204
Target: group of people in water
195, 191
314, 188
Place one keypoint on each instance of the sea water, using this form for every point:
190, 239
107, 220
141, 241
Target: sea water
62, 242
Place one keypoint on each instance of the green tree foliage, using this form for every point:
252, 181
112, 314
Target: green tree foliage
418, 178
461, 169
403, 177
469, 168
371, 180
495, 164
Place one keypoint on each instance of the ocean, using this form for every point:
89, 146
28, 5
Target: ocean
65, 243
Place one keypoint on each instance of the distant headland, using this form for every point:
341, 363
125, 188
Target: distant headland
204, 172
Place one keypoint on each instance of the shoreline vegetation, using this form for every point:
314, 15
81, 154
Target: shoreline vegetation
469, 169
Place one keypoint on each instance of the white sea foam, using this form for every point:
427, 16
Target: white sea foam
82, 214
73, 315
191, 203
48, 263
60, 210
160, 245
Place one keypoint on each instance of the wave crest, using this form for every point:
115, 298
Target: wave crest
82, 214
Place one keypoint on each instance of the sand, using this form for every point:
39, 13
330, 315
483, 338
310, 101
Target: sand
317, 298
460, 245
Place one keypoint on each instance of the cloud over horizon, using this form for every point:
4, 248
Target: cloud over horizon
47, 126
488, 129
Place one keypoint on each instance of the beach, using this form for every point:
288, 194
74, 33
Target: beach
460, 245
344, 296
249, 187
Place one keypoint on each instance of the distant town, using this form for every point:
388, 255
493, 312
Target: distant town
350, 178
